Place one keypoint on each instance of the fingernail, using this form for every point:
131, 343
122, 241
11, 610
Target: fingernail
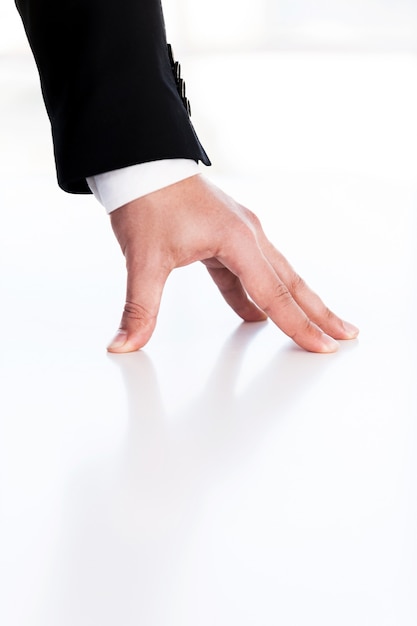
118, 341
329, 344
351, 330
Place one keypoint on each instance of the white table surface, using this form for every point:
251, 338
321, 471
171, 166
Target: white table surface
221, 475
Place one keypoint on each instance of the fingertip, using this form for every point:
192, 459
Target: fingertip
344, 331
328, 345
118, 341
350, 331
123, 343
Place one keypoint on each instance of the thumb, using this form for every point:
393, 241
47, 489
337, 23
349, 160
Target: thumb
145, 284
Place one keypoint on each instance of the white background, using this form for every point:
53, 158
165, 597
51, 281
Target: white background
272, 24
221, 475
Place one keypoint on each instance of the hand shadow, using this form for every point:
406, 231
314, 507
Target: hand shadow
132, 517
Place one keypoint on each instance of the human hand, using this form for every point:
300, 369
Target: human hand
193, 220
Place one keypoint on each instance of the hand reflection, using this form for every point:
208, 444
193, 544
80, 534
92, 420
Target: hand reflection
170, 464
132, 520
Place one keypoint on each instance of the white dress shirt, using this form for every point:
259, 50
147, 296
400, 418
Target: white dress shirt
118, 187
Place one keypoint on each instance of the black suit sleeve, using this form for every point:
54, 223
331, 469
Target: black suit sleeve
108, 86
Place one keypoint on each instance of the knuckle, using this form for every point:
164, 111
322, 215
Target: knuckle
279, 297
297, 284
304, 329
253, 219
328, 314
135, 311
243, 235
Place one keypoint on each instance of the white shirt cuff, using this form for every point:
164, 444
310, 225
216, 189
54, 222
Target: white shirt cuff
118, 187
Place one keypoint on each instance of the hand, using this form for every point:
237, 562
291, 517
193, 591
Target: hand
193, 220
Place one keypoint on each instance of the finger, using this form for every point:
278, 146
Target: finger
145, 283
307, 299
236, 297
269, 292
